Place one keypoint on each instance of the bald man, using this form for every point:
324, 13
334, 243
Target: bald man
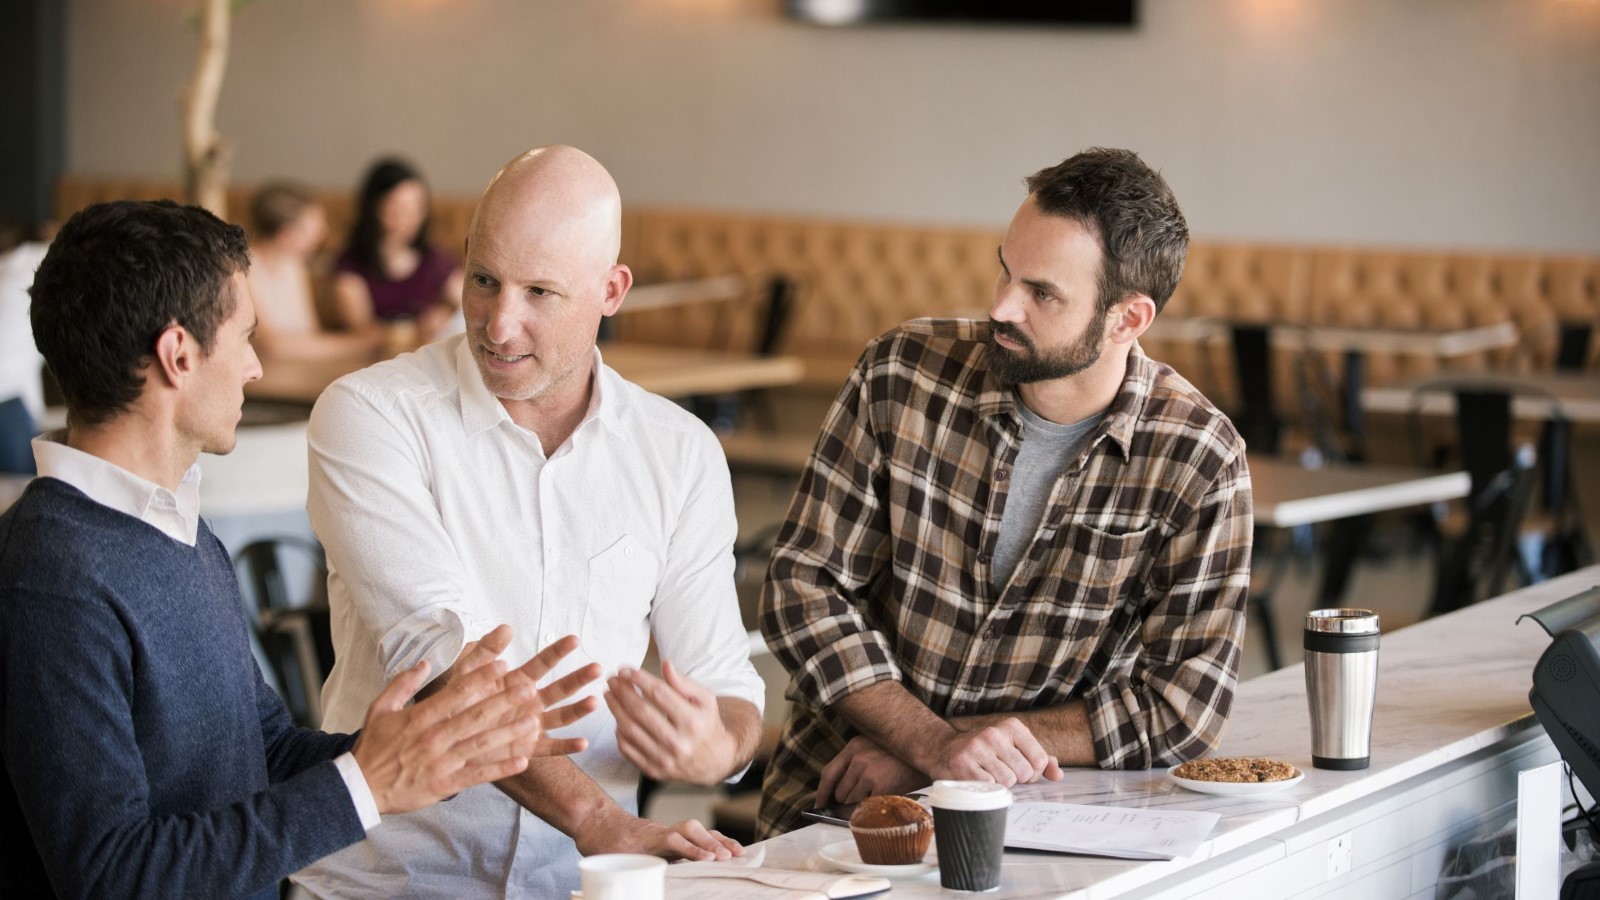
509, 475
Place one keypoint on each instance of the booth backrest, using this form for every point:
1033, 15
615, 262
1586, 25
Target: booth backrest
855, 280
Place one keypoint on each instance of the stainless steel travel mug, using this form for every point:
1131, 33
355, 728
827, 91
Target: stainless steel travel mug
1341, 685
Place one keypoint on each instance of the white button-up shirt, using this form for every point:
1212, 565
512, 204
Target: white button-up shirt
443, 518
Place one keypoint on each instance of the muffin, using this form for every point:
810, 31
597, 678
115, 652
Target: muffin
891, 831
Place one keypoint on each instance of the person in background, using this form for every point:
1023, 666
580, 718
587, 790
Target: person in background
288, 226
1020, 544
509, 474
21, 387
141, 753
388, 271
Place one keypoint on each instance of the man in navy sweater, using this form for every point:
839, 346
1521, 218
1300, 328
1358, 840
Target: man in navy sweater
141, 754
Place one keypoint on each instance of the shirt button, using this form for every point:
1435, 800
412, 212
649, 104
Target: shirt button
984, 558
627, 551
988, 633
1002, 474
958, 708
549, 636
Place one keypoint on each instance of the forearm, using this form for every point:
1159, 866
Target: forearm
742, 721
1063, 730
557, 791
892, 718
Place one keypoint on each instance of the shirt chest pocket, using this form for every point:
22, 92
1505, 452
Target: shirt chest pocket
1096, 569
616, 619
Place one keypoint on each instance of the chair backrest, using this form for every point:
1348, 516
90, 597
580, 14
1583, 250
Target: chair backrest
1474, 566
1257, 421
16, 438
1572, 354
293, 632
776, 315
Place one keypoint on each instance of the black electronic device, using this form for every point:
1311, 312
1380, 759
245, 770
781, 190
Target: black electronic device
1114, 13
1566, 683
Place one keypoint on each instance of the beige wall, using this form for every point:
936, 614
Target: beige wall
1419, 122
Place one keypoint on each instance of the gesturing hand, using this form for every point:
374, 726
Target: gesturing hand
615, 831
863, 769
671, 729
1006, 753
482, 726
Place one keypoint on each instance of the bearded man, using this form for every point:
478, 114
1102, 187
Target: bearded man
1020, 544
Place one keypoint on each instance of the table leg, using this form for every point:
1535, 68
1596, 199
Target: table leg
1259, 602
1344, 548
1355, 423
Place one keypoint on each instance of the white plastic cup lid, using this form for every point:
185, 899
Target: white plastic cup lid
969, 795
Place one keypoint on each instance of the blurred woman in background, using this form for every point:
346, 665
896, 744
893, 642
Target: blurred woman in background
288, 227
388, 271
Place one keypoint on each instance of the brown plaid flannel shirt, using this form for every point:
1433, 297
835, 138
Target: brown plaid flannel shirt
1130, 596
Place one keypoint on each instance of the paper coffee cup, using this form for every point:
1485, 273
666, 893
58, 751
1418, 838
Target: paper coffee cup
969, 822
623, 876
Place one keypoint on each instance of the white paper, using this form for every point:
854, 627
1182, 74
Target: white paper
715, 881
1107, 830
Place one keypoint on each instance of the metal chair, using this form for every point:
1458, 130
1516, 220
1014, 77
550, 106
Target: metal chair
294, 632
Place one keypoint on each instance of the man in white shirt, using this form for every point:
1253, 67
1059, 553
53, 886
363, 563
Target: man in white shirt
508, 474
141, 754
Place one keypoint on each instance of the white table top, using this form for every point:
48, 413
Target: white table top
661, 294
1287, 495
1408, 342
1576, 394
1447, 688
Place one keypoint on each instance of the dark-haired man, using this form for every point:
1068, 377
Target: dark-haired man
1021, 544
141, 754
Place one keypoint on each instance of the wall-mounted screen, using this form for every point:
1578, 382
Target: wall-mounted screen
1120, 13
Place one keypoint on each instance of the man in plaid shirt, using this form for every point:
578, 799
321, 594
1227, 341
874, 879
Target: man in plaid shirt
1019, 544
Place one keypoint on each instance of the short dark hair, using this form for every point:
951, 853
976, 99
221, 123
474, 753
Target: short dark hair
116, 276
1131, 211
276, 205
366, 232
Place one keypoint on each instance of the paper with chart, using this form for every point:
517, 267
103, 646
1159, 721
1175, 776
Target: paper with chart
1107, 830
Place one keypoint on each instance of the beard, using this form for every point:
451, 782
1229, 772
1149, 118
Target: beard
1030, 364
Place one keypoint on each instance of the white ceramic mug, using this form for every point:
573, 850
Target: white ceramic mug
623, 876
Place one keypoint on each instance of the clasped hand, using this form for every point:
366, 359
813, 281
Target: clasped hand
1006, 752
483, 725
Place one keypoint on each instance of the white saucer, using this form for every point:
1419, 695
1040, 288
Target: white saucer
844, 855
1239, 788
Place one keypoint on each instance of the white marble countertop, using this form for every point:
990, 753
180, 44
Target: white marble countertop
1447, 687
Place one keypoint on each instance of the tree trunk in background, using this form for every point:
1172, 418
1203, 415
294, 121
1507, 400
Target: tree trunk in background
205, 154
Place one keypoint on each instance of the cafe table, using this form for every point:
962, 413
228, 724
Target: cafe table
1451, 730
1286, 495
675, 372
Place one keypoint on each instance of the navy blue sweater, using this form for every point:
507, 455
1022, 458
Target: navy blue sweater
141, 754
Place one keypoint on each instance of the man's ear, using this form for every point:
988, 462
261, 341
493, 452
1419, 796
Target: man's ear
1130, 317
177, 354
618, 280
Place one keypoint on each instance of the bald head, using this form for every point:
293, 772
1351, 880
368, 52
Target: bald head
556, 190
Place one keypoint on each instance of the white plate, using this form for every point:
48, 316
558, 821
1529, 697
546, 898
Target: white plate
1237, 788
844, 855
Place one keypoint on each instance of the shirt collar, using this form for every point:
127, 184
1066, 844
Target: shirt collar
481, 410
177, 515
997, 399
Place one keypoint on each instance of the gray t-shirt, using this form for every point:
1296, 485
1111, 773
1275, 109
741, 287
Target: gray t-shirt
1047, 449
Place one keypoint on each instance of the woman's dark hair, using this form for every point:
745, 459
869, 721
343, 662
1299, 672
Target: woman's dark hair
384, 176
116, 276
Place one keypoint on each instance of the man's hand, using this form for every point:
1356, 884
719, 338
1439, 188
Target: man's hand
484, 725
1006, 753
615, 831
863, 769
671, 729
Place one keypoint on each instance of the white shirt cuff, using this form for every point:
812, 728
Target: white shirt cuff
360, 794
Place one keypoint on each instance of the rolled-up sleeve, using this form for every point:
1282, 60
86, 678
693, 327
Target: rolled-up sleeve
371, 506
832, 548
1173, 702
